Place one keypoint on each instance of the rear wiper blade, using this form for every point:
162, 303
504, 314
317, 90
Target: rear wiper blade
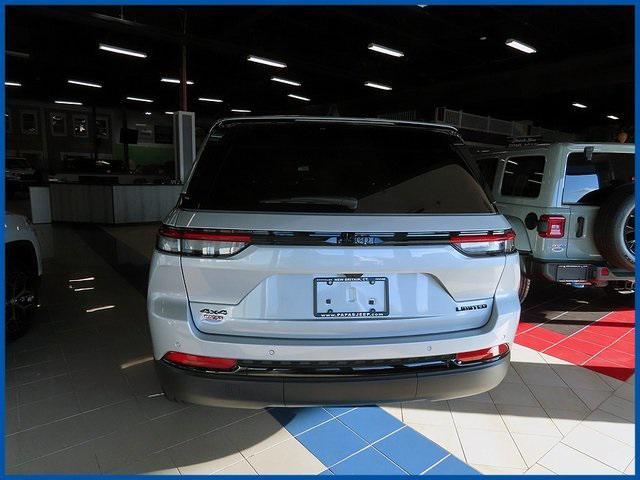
349, 202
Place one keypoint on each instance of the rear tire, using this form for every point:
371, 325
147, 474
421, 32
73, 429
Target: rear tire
614, 231
525, 283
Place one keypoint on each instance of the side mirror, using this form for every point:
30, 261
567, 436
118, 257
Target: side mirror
588, 154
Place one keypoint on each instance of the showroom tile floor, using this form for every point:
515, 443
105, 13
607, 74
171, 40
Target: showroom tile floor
82, 396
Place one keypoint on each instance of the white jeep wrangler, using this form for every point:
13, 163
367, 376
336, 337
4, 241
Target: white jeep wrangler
572, 207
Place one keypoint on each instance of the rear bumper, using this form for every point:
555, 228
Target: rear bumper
578, 273
246, 391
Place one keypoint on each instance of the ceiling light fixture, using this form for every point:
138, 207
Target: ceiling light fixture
266, 61
284, 80
523, 47
138, 99
298, 97
123, 51
169, 113
386, 50
67, 102
579, 105
214, 100
147, 113
379, 86
174, 80
13, 53
240, 110
613, 117
85, 84
12, 84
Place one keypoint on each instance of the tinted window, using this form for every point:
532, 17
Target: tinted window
589, 182
523, 176
488, 167
333, 167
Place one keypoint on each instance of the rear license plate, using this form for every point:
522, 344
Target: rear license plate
572, 273
351, 297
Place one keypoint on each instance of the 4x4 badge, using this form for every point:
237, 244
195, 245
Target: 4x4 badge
208, 314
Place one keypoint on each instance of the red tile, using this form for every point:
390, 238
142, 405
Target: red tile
548, 335
523, 327
608, 331
530, 341
617, 357
610, 369
581, 346
588, 336
568, 354
620, 346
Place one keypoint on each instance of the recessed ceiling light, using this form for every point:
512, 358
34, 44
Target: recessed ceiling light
266, 61
12, 84
579, 105
67, 102
174, 80
523, 47
386, 50
85, 84
483, 38
138, 99
613, 117
379, 86
169, 113
205, 99
13, 53
284, 80
298, 97
240, 110
147, 113
123, 51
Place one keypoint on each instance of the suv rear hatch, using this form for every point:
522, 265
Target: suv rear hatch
327, 230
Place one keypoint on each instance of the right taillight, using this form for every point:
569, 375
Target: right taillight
551, 226
200, 242
493, 243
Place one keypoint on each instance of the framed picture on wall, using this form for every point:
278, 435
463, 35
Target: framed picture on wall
58, 122
80, 125
29, 122
102, 126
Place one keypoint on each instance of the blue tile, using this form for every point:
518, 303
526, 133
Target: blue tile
335, 411
331, 442
452, 466
367, 462
371, 423
297, 420
411, 450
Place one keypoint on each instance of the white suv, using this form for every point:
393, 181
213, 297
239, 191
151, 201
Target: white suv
332, 261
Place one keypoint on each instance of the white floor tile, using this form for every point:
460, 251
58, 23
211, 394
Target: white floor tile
612, 382
528, 420
599, 446
206, 454
487, 447
592, 398
563, 398
513, 394
491, 470
288, 458
427, 413
512, 376
539, 470
631, 468
538, 374
476, 415
240, 468
619, 407
626, 391
614, 427
565, 460
580, 377
256, 433
394, 409
534, 447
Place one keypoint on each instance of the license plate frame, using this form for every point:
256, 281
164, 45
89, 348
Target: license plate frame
351, 314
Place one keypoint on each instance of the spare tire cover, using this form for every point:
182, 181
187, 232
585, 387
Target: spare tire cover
615, 228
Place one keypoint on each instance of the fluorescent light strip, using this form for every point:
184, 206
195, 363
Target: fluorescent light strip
379, 86
13, 53
12, 84
85, 84
523, 47
97, 309
123, 51
298, 97
284, 80
266, 61
174, 80
138, 99
579, 105
240, 110
613, 117
214, 100
169, 113
83, 289
386, 50
85, 279
67, 102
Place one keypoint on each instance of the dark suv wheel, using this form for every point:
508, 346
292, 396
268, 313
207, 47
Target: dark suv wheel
21, 292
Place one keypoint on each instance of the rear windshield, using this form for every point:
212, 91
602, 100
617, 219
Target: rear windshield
590, 182
333, 168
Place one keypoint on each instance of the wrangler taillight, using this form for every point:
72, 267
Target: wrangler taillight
551, 226
201, 242
491, 243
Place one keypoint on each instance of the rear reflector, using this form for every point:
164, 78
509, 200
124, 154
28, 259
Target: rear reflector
551, 226
486, 244
201, 242
483, 354
199, 361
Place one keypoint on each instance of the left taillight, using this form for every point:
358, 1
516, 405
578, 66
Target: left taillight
200, 361
200, 243
492, 243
